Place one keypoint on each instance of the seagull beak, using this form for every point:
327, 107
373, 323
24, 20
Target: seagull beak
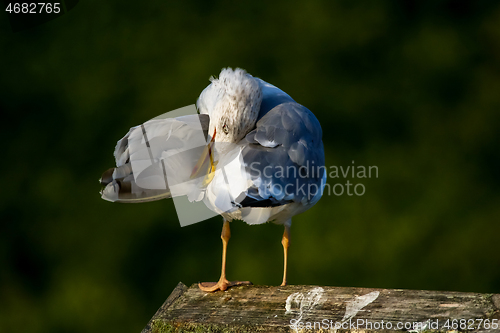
205, 155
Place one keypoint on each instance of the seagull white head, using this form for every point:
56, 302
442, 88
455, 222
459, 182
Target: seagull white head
233, 103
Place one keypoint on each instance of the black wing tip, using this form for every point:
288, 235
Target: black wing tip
107, 177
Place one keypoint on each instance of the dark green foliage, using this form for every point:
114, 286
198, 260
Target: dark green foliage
409, 86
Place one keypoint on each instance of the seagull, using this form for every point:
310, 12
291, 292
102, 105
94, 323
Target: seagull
261, 159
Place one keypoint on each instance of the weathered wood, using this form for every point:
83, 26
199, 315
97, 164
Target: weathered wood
326, 309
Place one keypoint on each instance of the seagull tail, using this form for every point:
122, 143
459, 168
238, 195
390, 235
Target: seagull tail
142, 167
119, 186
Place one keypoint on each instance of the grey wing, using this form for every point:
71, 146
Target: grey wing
284, 158
140, 173
271, 96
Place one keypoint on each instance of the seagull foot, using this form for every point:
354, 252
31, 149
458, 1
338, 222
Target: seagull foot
222, 285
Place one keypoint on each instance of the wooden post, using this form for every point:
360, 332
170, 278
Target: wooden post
325, 309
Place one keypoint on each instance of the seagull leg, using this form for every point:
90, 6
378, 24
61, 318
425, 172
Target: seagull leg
286, 244
223, 283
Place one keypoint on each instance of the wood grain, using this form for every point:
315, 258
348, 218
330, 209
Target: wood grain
326, 309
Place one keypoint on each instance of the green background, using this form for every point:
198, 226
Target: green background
412, 87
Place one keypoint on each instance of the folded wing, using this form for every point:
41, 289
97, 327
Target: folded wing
280, 162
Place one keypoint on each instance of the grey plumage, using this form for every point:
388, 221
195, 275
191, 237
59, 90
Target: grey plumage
289, 150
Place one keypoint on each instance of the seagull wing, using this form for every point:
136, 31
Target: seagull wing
280, 162
284, 156
271, 96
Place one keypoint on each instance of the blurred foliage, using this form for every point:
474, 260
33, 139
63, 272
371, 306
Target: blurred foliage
409, 86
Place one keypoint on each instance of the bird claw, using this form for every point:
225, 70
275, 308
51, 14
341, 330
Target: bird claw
221, 285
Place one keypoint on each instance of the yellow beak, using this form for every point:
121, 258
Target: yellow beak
206, 154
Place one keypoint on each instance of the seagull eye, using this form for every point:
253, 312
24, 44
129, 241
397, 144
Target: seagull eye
225, 129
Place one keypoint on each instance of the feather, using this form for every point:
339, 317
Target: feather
141, 173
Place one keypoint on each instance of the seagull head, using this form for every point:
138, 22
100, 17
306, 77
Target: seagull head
233, 103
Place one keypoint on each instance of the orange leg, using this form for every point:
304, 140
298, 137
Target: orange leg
223, 283
286, 244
